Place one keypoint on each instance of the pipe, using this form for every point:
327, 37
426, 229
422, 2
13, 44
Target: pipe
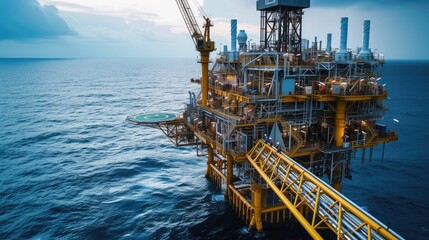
233, 35
329, 42
365, 54
343, 55
233, 54
344, 30
194, 100
365, 40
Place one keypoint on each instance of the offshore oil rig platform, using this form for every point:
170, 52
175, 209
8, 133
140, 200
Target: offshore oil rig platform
280, 122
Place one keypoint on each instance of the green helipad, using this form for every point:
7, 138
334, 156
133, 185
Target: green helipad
142, 118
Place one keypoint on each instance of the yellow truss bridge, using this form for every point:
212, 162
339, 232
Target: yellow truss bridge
298, 188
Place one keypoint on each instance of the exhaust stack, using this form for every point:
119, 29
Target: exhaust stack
329, 42
343, 55
233, 53
365, 54
233, 35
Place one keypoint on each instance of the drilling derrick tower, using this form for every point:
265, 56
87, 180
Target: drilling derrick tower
281, 24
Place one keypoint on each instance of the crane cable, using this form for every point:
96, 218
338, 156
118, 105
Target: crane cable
200, 9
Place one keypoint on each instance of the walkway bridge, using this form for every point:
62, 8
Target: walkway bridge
298, 188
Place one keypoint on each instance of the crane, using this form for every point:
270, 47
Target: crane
203, 44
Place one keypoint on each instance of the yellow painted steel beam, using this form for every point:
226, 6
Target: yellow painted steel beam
204, 76
210, 160
305, 153
293, 98
229, 172
220, 174
387, 139
349, 98
340, 123
313, 233
324, 98
354, 98
241, 197
236, 96
274, 209
257, 204
337, 213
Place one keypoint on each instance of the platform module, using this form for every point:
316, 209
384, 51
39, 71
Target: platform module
280, 121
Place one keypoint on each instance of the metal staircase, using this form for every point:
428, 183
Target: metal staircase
299, 142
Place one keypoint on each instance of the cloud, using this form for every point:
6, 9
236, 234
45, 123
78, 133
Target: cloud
368, 3
113, 10
27, 19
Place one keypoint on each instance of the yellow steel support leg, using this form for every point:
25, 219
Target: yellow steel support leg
210, 160
337, 185
229, 174
371, 149
205, 77
256, 200
340, 123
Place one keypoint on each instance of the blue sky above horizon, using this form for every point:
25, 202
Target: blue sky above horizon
144, 28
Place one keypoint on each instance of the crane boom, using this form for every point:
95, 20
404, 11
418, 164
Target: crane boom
203, 44
190, 21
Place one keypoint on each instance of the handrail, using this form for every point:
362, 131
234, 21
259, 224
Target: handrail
373, 133
295, 135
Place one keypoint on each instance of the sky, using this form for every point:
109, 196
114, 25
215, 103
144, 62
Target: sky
155, 28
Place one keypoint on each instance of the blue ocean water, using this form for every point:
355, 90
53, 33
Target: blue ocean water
72, 168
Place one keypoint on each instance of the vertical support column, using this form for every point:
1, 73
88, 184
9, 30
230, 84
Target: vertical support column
229, 174
382, 152
257, 203
204, 59
340, 116
340, 123
363, 156
210, 160
371, 149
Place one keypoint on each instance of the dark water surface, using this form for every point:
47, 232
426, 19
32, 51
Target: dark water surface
72, 168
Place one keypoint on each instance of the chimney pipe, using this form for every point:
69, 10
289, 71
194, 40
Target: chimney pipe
365, 54
365, 40
315, 43
233, 54
344, 30
343, 55
329, 42
233, 35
